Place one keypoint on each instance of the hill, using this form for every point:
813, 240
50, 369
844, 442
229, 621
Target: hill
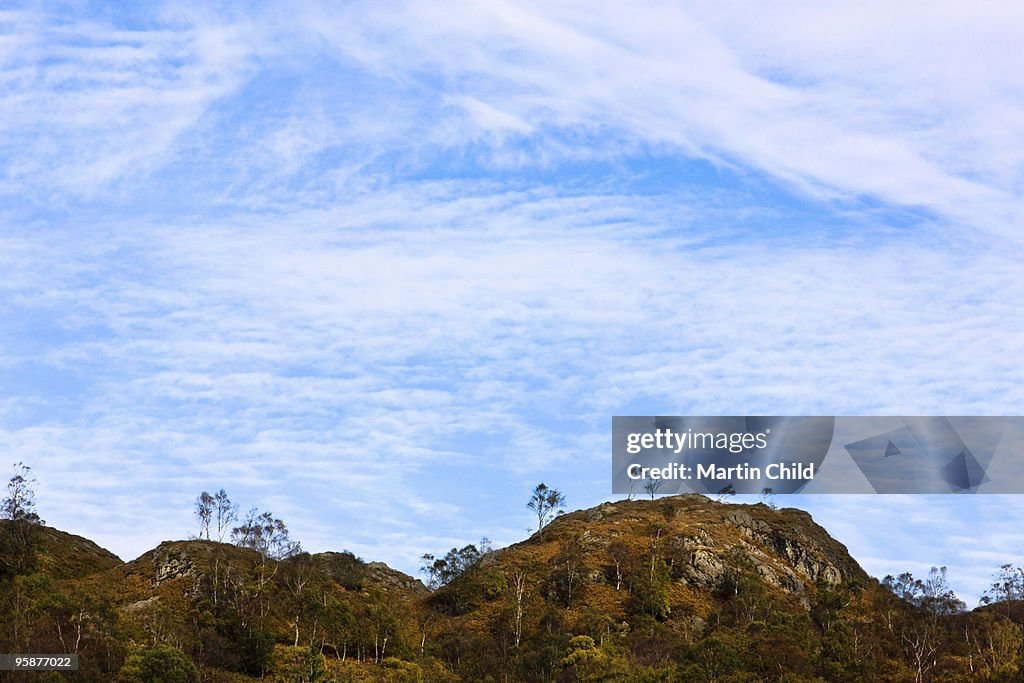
681, 588
58, 554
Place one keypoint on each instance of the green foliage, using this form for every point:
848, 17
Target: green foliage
715, 658
441, 571
535, 612
399, 671
19, 547
1007, 585
257, 647
648, 576
20, 502
650, 591
462, 586
297, 665
545, 502
346, 569
161, 664
581, 649
933, 593
49, 677
20, 533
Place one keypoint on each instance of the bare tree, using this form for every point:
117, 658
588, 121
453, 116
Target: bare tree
725, 493
651, 487
620, 553
519, 583
544, 502
225, 513
266, 534
204, 513
569, 562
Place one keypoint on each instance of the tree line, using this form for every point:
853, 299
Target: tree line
568, 609
260, 531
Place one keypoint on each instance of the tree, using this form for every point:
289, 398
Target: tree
162, 664
204, 513
649, 585
938, 598
621, 555
265, 534
725, 493
441, 571
20, 503
933, 594
905, 587
224, 513
544, 502
1007, 586
651, 487
21, 536
518, 579
570, 567
921, 638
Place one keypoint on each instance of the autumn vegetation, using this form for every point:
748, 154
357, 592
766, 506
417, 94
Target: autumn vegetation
673, 589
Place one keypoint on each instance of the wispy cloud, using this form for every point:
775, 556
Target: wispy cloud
421, 334
376, 264
918, 113
86, 104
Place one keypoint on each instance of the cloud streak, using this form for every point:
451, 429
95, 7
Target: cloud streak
372, 265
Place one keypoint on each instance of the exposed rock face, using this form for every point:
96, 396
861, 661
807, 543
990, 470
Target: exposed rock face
827, 562
706, 543
141, 605
172, 563
383, 576
705, 569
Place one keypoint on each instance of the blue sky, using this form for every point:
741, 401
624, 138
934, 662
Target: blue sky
381, 269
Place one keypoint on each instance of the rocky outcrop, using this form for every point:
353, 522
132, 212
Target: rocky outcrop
813, 556
707, 544
384, 577
171, 563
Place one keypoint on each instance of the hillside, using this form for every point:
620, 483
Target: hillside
701, 541
61, 555
677, 589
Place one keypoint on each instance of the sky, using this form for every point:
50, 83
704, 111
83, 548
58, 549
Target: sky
382, 268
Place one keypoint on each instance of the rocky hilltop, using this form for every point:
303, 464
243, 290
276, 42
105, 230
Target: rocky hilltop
701, 541
682, 588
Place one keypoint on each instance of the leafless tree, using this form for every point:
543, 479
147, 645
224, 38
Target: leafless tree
225, 513
204, 513
519, 583
266, 534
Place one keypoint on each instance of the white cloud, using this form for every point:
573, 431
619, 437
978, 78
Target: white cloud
908, 109
367, 357
305, 327
86, 104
